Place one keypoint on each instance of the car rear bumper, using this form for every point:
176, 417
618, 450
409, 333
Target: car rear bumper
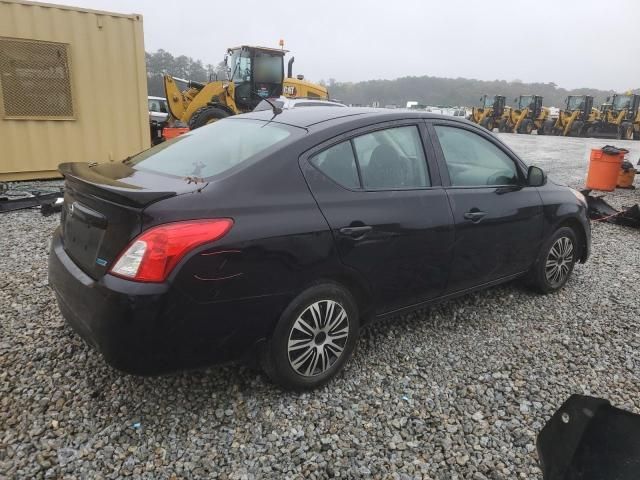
150, 329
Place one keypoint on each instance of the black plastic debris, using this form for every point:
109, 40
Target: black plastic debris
12, 200
588, 439
601, 211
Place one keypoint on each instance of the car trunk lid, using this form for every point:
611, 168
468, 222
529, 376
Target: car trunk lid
103, 209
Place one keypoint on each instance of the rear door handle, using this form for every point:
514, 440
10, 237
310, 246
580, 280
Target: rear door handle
475, 216
355, 232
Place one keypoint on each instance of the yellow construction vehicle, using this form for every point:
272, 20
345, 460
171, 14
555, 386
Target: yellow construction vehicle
577, 119
621, 117
527, 116
490, 112
253, 74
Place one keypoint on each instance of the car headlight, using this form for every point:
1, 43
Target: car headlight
581, 198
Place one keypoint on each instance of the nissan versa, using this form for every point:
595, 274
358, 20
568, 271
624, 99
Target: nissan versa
278, 236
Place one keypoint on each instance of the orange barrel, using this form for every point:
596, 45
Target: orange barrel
603, 170
172, 132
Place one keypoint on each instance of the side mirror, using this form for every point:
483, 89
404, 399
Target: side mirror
608, 98
536, 177
515, 100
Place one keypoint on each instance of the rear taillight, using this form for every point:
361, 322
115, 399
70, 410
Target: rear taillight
152, 255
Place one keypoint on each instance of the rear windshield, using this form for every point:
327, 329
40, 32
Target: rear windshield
211, 149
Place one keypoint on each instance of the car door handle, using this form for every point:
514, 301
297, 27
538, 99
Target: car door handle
475, 216
355, 232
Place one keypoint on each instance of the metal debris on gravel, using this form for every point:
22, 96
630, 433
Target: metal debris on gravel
457, 391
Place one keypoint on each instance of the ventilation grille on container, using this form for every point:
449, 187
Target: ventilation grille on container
35, 79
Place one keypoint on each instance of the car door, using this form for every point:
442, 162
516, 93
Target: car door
390, 217
498, 218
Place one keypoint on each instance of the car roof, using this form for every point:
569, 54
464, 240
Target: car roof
308, 117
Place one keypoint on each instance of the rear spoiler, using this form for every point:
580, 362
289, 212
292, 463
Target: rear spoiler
103, 180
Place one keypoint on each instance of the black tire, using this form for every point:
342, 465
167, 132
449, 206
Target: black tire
576, 129
279, 359
538, 276
625, 132
206, 115
488, 124
526, 127
502, 126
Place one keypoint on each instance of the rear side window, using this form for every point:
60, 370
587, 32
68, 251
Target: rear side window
392, 158
339, 164
212, 149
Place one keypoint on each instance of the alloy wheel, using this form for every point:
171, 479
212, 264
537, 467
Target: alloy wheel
318, 338
559, 261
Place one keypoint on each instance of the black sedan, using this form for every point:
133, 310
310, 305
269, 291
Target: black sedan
278, 236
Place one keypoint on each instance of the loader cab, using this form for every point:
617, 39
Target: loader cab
626, 102
498, 105
486, 101
582, 103
256, 73
532, 102
495, 102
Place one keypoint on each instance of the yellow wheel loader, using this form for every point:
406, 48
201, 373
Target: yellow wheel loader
490, 113
621, 117
253, 74
527, 116
577, 119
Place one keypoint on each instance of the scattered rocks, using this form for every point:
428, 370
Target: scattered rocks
456, 391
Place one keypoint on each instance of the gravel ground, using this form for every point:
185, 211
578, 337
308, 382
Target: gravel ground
456, 391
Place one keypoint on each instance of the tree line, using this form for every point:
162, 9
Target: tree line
424, 90
161, 62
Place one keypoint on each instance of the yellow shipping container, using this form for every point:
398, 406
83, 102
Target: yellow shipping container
73, 88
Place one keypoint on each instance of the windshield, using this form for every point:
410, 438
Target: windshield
268, 68
488, 102
525, 101
620, 102
575, 103
212, 149
240, 66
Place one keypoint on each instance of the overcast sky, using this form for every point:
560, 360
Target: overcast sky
588, 43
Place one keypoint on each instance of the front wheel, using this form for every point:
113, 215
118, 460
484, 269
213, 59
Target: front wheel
555, 262
206, 115
315, 336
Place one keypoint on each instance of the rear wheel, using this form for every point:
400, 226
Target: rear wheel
206, 115
313, 339
555, 262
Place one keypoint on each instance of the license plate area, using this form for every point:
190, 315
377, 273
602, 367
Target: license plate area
84, 230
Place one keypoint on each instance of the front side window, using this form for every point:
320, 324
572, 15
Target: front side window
525, 102
392, 158
473, 161
240, 66
339, 164
576, 103
620, 102
213, 149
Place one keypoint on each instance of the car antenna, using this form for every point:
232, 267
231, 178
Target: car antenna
276, 109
